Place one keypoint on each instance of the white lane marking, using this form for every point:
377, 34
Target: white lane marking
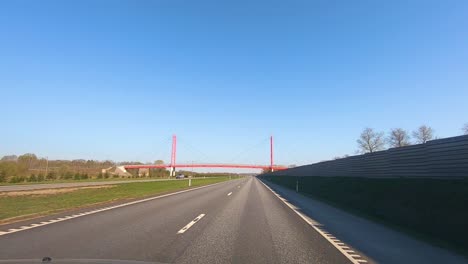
361, 260
229, 193
14, 230
308, 220
185, 228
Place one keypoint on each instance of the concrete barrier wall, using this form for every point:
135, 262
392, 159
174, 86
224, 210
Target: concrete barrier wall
441, 158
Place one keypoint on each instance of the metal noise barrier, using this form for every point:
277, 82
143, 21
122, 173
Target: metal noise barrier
441, 158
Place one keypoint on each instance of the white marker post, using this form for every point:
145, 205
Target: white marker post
190, 181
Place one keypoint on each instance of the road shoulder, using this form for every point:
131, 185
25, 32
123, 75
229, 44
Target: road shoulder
379, 243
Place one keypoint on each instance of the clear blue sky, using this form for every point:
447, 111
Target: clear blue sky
115, 79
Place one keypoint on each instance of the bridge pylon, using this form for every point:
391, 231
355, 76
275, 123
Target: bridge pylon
172, 169
271, 154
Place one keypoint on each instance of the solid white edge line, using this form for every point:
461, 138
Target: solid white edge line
48, 222
185, 228
348, 256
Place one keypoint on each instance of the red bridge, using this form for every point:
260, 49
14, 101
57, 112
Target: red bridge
172, 166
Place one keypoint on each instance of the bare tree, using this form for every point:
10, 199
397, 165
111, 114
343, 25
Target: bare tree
465, 129
398, 138
423, 134
371, 141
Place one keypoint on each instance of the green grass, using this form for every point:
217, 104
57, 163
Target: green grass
15, 207
84, 180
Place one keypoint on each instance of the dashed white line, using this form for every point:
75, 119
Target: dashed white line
337, 245
229, 193
13, 230
185, 228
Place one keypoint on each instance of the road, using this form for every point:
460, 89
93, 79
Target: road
30, 187
239, 221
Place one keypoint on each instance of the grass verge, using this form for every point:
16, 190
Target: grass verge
83, 180
29, 206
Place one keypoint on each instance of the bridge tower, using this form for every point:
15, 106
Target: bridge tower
173, 156
271, 153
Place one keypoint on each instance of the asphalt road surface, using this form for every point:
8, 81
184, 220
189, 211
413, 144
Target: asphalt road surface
239, 221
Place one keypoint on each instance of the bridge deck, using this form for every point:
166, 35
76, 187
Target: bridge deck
213, 165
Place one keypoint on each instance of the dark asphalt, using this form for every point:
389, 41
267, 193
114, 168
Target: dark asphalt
249, 226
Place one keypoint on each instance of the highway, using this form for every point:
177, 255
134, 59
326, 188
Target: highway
239, 221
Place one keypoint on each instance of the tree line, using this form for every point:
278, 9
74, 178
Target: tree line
371, 141
29, 168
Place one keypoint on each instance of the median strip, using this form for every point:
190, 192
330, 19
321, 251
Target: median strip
52, 221
22, 207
